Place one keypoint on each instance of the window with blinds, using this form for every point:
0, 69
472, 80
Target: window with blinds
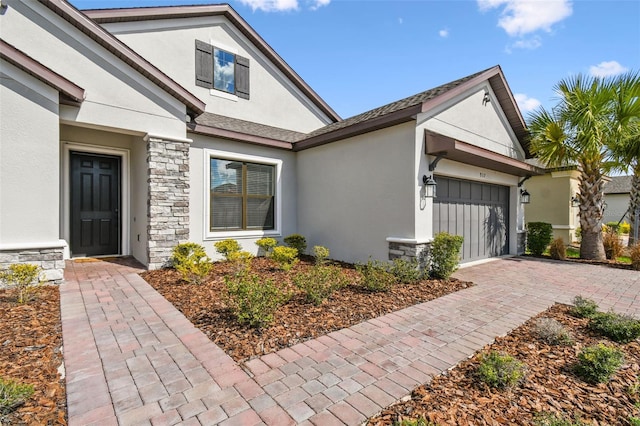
242, 195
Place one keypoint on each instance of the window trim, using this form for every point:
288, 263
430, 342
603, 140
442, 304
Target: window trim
232, 156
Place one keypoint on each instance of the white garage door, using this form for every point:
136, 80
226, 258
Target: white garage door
479, 212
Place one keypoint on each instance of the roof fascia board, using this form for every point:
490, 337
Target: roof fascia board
236, 136
173, 12
62, 8
398, 117
70, 93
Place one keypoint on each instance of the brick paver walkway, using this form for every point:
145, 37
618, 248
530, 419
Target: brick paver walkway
132, 359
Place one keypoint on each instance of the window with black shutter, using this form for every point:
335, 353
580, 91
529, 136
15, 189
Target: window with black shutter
221, 70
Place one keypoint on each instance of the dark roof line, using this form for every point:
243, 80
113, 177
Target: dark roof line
69, 92
65, 10
102, 16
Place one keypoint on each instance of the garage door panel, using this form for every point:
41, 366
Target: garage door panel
476, 211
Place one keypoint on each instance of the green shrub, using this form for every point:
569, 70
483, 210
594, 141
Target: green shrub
321, 254
625, 228
557, 249
227, 247
612, 245
191, 261
297, 242
319, 282
375, 276
406, 272
266, 245
444, 255
583, 307
539, 236
500, 370
253, 301
617, 327
285, 257
596, 364
613, 227
634, 254
241, 261
13, 395
25, 277
552, 332
420, 421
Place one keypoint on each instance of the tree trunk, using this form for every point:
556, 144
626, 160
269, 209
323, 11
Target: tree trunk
634, 202
591, 211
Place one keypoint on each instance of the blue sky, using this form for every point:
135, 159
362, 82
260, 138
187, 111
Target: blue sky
358, 55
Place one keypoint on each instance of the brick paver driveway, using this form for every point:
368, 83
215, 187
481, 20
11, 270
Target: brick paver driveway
132, 359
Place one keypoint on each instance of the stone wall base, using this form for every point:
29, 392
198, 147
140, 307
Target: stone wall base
409, 251
49, 259
522, 242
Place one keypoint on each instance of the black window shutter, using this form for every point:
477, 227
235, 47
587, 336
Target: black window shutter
242, 77
204, 64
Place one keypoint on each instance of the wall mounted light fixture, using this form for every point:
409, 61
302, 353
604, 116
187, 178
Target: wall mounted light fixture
486, 99
575, 201
429, 186
525, 197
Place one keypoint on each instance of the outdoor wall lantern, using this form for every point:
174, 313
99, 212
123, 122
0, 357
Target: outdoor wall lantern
486, 99
575, 201
525, 197
429, 186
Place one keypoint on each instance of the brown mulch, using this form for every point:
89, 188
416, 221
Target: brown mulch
550, 386
294, 322
30, 352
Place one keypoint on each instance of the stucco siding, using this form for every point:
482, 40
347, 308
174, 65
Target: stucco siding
474, 121
170, 45
29, 159
354, 194
617, 205
116, 95
286, 197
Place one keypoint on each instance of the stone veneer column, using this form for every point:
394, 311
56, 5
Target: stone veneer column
167, 197
409, 250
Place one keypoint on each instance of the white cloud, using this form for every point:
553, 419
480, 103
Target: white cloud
443, 33
520, 17
528, 44
526, 103
317, 4
607, 69
272, 5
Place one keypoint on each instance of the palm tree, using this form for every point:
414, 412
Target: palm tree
590, 117
627, 148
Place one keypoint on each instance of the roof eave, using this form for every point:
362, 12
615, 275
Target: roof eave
69, 92
237, 136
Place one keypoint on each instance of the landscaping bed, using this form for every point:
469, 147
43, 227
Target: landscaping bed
297, 320
30, 353
550, 391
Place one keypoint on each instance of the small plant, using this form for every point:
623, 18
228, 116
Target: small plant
539, 236
319, 282
552, 332
634, 254
406, 272
285, 257
13, 395
617, 327
420, 421
634, 421
253, 302
634, 389
376, 276
321, 254
583, 307
191, 261
227, 247
625, 228
613, 227
612, 245
24, 277
444, 255
596, 364
553, 419
266, 245
297, 242
500, 370
557, 249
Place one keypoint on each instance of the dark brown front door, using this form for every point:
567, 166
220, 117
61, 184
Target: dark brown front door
95, 204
